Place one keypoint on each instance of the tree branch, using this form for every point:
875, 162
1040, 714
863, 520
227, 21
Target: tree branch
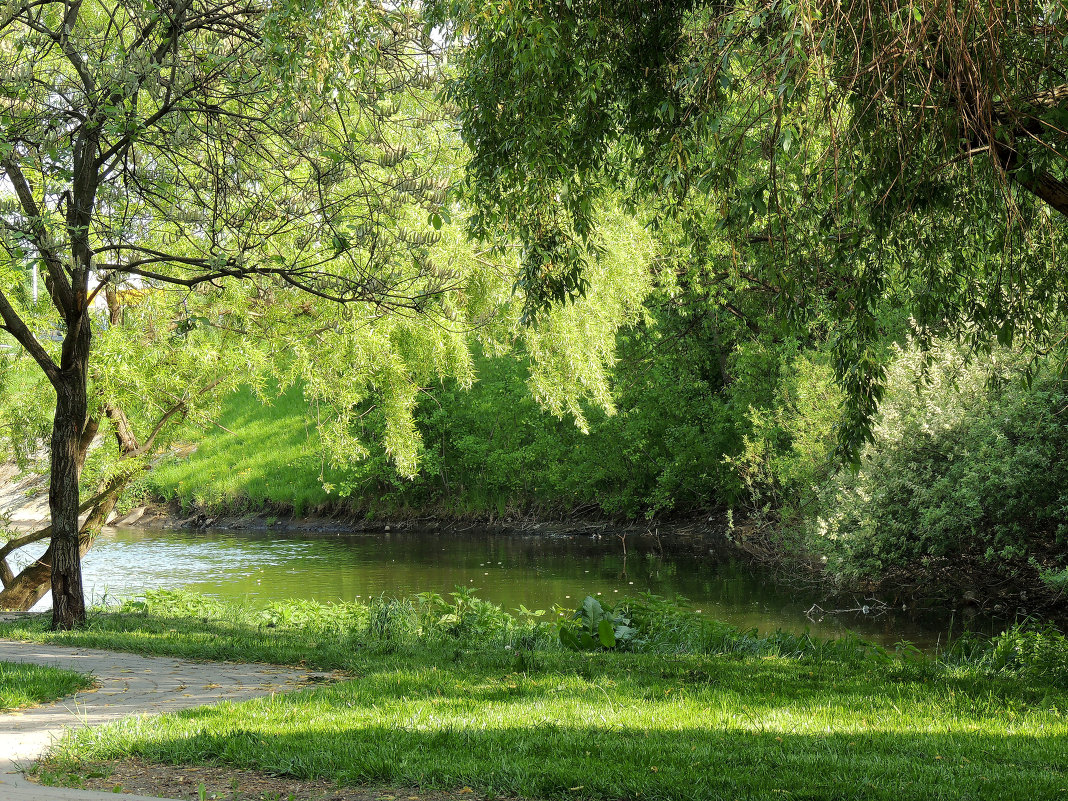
21, 542
168, 43
19, 330
46, 532
179, 407
124, 433
63, 40
62, 294
1048, 189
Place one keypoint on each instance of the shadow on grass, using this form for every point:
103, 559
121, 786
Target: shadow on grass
556, 761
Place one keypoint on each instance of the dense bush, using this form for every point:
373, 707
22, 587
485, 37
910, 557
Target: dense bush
967, 462
1037, 653
662, 451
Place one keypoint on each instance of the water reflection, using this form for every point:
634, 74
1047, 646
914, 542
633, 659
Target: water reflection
536, 571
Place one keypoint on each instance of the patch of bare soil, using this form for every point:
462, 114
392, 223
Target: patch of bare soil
225, 784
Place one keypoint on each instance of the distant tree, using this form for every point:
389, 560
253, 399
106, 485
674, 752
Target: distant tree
204, 176
838, 156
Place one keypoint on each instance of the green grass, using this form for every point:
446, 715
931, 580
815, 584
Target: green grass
452, 693
267, 457
258, 455
24, 685
624, 727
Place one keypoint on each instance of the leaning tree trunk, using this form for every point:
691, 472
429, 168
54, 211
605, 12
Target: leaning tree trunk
68, 598
32, 584
23, 591
29, 586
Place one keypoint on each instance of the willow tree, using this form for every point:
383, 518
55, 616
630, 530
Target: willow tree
839, 154
199, 164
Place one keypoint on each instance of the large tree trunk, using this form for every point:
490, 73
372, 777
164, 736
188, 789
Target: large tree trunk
68, 598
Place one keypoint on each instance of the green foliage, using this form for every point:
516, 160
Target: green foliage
1037, 653
787, 452
26, 398
465, 617
966, 467
176, 603
591, 627
487, 449
826, 171
967, 461
1056, 580
332, 635
213, 194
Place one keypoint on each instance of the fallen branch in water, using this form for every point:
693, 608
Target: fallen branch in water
872, 607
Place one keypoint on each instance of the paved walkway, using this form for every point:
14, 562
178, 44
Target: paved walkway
126, 685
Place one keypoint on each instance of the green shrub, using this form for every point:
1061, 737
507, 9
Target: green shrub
967, 461
1036, 653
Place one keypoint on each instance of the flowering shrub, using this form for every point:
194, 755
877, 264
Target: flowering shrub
967, 460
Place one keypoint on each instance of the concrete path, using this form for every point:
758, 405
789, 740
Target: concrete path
126, 685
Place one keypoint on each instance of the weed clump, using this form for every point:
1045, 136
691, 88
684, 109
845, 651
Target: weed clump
333, 635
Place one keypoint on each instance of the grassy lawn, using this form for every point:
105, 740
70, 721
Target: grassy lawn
28, 685
447, 694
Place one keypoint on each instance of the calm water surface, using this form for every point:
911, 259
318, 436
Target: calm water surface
537, 571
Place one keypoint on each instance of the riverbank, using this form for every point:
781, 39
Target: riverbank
261, 469
698, 530
957, 503
457, 696
495, 462
963, 587
960, 586
700, 539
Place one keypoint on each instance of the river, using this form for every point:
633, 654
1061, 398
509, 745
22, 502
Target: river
257, 567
